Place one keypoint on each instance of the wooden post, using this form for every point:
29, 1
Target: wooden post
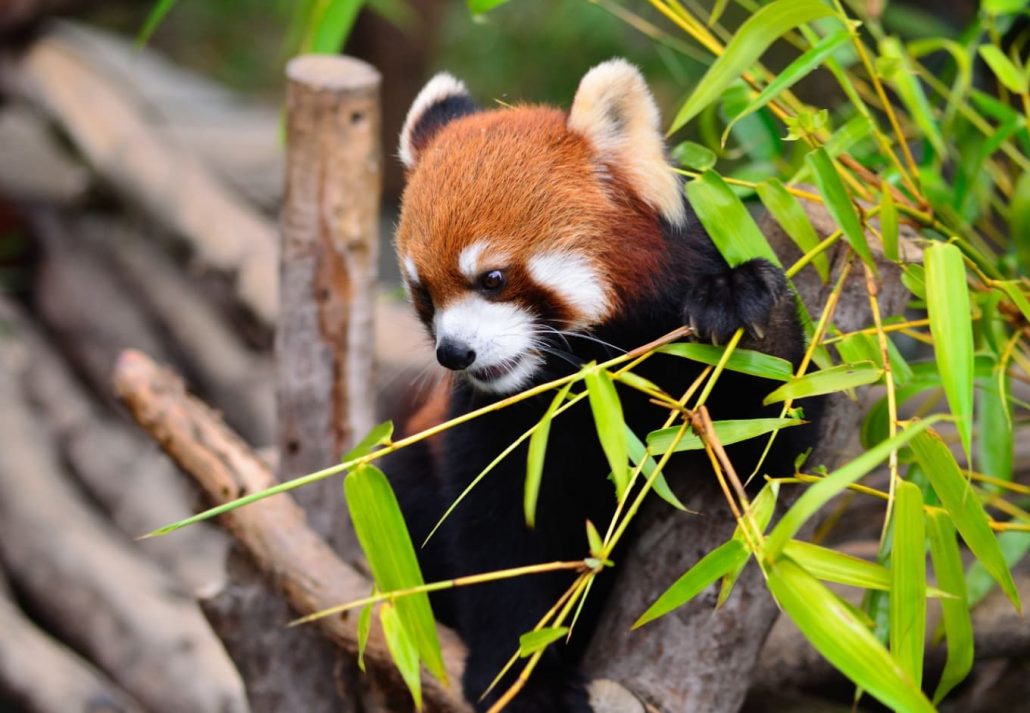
330, 237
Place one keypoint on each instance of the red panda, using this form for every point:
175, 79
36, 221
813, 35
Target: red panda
532, 240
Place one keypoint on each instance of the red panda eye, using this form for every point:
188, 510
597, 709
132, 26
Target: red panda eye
492, 280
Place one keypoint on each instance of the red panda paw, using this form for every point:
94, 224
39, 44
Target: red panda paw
744, 296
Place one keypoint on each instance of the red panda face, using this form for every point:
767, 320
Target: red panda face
520, 222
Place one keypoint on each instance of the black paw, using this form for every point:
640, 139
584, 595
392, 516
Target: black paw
744, 296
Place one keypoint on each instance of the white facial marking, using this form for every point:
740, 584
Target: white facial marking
440, 87
501, 335
572, 278
468, 260
411, 271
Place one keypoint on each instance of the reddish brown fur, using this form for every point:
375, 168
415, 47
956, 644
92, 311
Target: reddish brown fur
521, 180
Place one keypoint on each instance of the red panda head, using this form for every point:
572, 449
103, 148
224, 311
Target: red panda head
522, 220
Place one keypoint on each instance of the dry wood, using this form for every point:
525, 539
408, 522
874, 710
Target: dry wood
61, 77
273, 530
697, 657
330, 246
88, 586
40, 675
136, 484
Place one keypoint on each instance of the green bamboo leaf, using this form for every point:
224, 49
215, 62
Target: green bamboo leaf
637, 453
384, 539
1003, 7
480, 7
817, 495
888, 223
728, 432
840, 636
791, 75
379, 435
827, 381
748, 43
1007, 73
762, 508
947, 304
838, 202
364, 628
402, 650
330, 24
610, 425
958, 626
866, 347
1014, 293
1019, 220
833, 566
535, 457
539, 639
903, 77
727, 221
594, 540
908, 576
967, 513
693, 155
995, 446
745, 361
695, 580
979, 582
154, 17
792, 218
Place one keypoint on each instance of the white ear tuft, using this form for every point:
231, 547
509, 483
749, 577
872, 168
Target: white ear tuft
614, 109
442, 99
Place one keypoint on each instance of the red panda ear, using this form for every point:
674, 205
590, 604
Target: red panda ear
614, 109
442, 100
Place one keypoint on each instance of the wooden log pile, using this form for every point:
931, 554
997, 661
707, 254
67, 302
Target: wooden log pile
142, 247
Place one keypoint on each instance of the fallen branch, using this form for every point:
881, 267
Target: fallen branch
59, 75
87, 585
41, 675
273, 530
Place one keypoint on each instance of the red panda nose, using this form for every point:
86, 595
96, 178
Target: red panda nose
454, 354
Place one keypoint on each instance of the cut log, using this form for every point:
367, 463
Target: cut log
330, 247
87, 585
273, 530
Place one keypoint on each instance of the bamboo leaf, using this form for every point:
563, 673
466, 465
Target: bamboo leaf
795, 223
402, 650
594, 540
1003, 68
748, 43
610, 425
908, 578
728, 432
761, 512
840, 636
535, 457
791, 75
838, 202
715, 564
378, 436
364, 628
965, 509
827, 381
1014, 546
480, 7
995, 447
745, 361
958, 626
820, 493
539, 639
717, 9
727, 221
903, 77
833, 566
384, 539
693, 155
637, 453
157, 13
947, 303
330, 24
